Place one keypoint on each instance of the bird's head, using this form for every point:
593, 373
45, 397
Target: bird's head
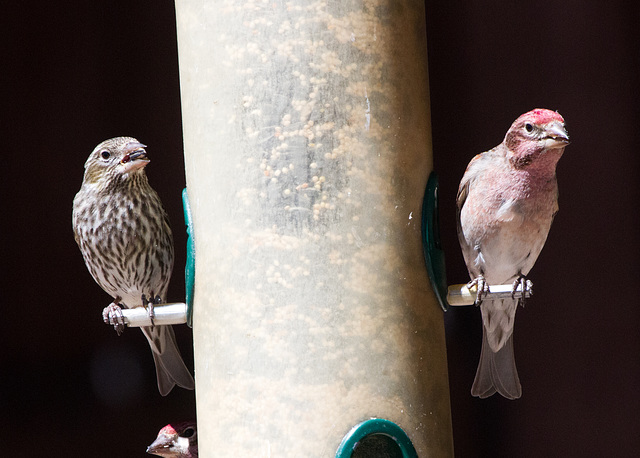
176, 441
538, 136
115, 159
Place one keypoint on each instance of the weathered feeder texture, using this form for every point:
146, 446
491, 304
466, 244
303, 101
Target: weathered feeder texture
307, 148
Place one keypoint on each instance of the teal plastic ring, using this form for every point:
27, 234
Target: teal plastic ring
376, 426
190, 267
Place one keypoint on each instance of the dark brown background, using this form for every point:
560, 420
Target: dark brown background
75, 75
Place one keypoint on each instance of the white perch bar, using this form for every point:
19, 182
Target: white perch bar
461, 295
174, 313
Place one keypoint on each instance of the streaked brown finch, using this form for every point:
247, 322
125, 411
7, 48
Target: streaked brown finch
124, 235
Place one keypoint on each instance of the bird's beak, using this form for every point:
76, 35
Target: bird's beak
160, 446
556, 135
135, 158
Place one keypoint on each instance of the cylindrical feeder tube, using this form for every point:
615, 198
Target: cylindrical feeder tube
307, 150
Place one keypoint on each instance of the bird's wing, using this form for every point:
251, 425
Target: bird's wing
474, 169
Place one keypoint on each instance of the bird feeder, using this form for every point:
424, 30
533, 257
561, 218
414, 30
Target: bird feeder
307, 152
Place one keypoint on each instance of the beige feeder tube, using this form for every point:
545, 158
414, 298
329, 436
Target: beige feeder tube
307, 149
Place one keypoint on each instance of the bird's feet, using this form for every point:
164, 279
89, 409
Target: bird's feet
112, 314
483, 288
526, 285
149, 303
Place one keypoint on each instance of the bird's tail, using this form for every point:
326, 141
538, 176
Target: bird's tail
497, 371
170, 368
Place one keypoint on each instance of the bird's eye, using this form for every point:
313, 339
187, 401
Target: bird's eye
188, 432
105, 154
528, 127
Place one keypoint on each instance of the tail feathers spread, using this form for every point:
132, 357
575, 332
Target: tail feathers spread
497, 371
170, 369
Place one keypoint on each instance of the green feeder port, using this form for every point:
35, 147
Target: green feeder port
433, 253
190, 266
376, 438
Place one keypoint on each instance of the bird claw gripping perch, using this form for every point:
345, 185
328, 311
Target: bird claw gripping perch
112, 314
149, 303
483, 289
523, 284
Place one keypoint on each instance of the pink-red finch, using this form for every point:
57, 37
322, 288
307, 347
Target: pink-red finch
124, 235
176, 441
506, 202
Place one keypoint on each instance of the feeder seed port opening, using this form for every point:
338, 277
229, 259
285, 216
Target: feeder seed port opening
190, 266
459, 294
376, 437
